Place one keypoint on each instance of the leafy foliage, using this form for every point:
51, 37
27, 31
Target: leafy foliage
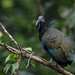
11, 57
15, 66
11, 67
7, 68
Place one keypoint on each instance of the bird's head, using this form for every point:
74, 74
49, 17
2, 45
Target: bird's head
40, 22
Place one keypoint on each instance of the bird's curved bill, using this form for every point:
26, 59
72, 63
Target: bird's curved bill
37, 22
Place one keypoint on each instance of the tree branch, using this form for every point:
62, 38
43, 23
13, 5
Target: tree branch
12, 39
36, 59
3, 28
29, 56
41, 7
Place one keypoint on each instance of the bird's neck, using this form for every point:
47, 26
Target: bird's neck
42, 31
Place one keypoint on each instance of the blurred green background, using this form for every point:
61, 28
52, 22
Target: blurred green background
19, 18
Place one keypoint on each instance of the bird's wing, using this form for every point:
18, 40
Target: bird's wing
57, 45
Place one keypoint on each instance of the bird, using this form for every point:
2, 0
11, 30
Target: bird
55, 43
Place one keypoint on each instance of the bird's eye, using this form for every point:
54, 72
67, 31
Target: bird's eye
42, 18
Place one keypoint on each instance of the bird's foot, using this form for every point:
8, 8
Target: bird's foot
51, 61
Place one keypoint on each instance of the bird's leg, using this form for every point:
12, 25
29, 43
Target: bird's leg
51, 61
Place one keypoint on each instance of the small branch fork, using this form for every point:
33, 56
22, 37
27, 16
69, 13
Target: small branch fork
3, 28
30, 56
12, 39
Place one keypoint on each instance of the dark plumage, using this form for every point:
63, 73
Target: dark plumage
55, 43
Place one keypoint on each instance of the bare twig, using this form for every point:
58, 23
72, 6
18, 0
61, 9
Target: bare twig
41, 7
3, 28
29, 60
36, 59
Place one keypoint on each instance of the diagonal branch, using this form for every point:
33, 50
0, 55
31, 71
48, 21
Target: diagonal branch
41, 8
12, 39
3, 28
36, 59
10, 49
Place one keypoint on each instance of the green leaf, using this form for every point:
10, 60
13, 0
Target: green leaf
29, 49
16, 56
15, 66
1, 34
10, 57
6, 68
